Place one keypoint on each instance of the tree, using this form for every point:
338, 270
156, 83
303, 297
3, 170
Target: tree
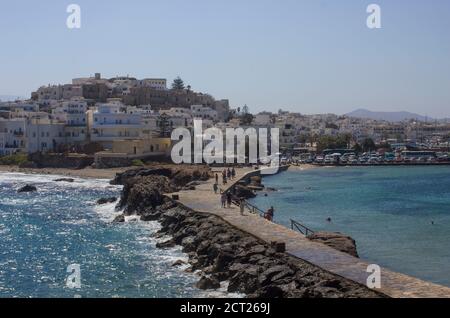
333, 142
247, 119
357, 148
164, 126
245, 116
178, 83
369, 145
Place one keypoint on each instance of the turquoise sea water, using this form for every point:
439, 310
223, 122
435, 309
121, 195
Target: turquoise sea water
388, 211
42, 233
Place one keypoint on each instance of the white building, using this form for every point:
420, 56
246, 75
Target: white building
73, 114
43, 134
29, 135
12, 136
115, 121
177, 117
203, 112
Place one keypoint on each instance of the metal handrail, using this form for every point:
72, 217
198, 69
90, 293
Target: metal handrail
301, 228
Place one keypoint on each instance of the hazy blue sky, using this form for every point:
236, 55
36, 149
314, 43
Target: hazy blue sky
309, 56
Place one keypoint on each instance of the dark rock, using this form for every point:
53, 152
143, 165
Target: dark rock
238, 267
106, 200
119, 219
255, 259
332, 283
27, 188
257, 249
221, 276
202, 249
274, 273
142, 192
166, 244
122, 178
178, 263
244, 192
337, 241
150, 215
244, 280
270, 291
188, 244
70, 180
223, 260
279, 247
208, 283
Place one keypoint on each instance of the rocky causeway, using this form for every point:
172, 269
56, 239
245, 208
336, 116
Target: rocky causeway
220, 251
225, 246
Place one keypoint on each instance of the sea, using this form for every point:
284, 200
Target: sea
58, 243
399, 216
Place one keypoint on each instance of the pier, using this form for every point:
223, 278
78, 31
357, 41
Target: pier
393, 284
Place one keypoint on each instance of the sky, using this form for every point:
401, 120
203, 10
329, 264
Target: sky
308, 56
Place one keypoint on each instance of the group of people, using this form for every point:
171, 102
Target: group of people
227, 174
226, 198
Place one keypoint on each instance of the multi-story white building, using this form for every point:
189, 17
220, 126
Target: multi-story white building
204, 112
29, 135
115, 121
73, 114
12, 136
177, 117
44, 134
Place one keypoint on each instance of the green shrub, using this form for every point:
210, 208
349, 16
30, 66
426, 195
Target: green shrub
14, 160
137, 163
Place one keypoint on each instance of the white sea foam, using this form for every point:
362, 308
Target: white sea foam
107, 212
17, 178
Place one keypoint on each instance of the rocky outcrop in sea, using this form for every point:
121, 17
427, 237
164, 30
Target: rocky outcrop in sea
27, 188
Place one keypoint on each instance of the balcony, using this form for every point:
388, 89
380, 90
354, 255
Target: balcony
13, 146
18, 133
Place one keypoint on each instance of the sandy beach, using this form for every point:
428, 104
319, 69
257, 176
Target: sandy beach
302, 167
97, 173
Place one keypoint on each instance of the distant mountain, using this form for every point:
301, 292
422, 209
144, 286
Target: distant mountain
388, 116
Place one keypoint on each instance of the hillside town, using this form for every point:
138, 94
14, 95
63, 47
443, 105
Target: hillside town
122, 119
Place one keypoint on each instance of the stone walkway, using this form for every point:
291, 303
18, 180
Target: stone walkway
393, 284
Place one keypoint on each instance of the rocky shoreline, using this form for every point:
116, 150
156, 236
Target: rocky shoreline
221, 252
